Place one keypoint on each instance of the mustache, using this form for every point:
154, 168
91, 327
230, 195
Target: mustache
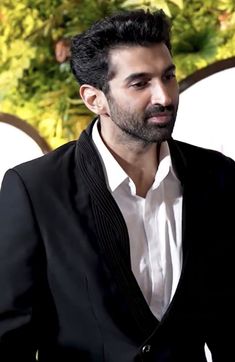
158, 110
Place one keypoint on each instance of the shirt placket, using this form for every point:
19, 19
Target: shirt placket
153, 200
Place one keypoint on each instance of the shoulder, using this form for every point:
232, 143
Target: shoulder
203, 157
202, 165
49, 168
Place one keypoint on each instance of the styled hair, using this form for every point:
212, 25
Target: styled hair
90, 49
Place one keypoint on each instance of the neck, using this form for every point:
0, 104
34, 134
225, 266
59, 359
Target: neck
138, 160
140, 167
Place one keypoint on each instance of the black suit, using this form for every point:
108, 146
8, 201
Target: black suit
66, 283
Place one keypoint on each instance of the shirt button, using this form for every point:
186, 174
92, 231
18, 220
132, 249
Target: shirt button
146, 348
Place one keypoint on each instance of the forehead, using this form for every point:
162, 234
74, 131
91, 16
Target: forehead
139, 59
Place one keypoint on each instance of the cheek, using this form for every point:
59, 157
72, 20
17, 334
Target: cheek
138, 101
131, 104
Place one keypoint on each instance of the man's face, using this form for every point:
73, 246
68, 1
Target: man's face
143, 93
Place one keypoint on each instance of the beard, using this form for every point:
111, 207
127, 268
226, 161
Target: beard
136, 126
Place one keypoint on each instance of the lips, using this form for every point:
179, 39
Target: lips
160, 114
160, 117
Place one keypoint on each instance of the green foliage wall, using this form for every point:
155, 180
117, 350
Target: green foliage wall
35, 80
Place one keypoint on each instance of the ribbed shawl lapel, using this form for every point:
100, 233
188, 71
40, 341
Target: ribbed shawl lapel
112, 233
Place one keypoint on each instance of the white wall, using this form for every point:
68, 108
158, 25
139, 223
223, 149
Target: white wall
206, 115
15, 147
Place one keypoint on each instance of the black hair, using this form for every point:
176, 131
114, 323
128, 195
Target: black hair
90, 49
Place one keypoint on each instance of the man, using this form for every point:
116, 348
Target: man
119, 247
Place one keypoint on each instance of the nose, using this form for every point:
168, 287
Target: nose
161, 94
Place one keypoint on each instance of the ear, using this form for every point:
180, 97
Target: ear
94, 99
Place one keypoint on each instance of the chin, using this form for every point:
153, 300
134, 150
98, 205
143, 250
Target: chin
161, 137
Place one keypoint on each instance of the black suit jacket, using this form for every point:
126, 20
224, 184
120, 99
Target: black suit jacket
67, 289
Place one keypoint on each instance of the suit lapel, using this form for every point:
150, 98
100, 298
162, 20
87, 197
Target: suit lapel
180, 167
196, 191
113, 237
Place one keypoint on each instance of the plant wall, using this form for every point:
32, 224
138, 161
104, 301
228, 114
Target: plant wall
35, 79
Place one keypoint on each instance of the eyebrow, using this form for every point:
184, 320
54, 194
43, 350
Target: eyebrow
135, 76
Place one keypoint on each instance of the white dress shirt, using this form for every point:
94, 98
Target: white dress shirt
153, 223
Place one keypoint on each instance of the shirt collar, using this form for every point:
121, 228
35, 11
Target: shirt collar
115, 179
165, 165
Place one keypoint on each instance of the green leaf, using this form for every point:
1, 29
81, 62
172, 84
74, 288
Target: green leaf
179, 3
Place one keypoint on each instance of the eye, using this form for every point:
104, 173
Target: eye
169, 76
140, 84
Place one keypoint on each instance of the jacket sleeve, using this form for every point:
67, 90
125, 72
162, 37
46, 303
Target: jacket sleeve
221, 329
19, 240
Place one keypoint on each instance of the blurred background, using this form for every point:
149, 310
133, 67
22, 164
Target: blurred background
37, 87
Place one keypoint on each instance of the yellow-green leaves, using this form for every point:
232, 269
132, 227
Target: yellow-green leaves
153, 4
